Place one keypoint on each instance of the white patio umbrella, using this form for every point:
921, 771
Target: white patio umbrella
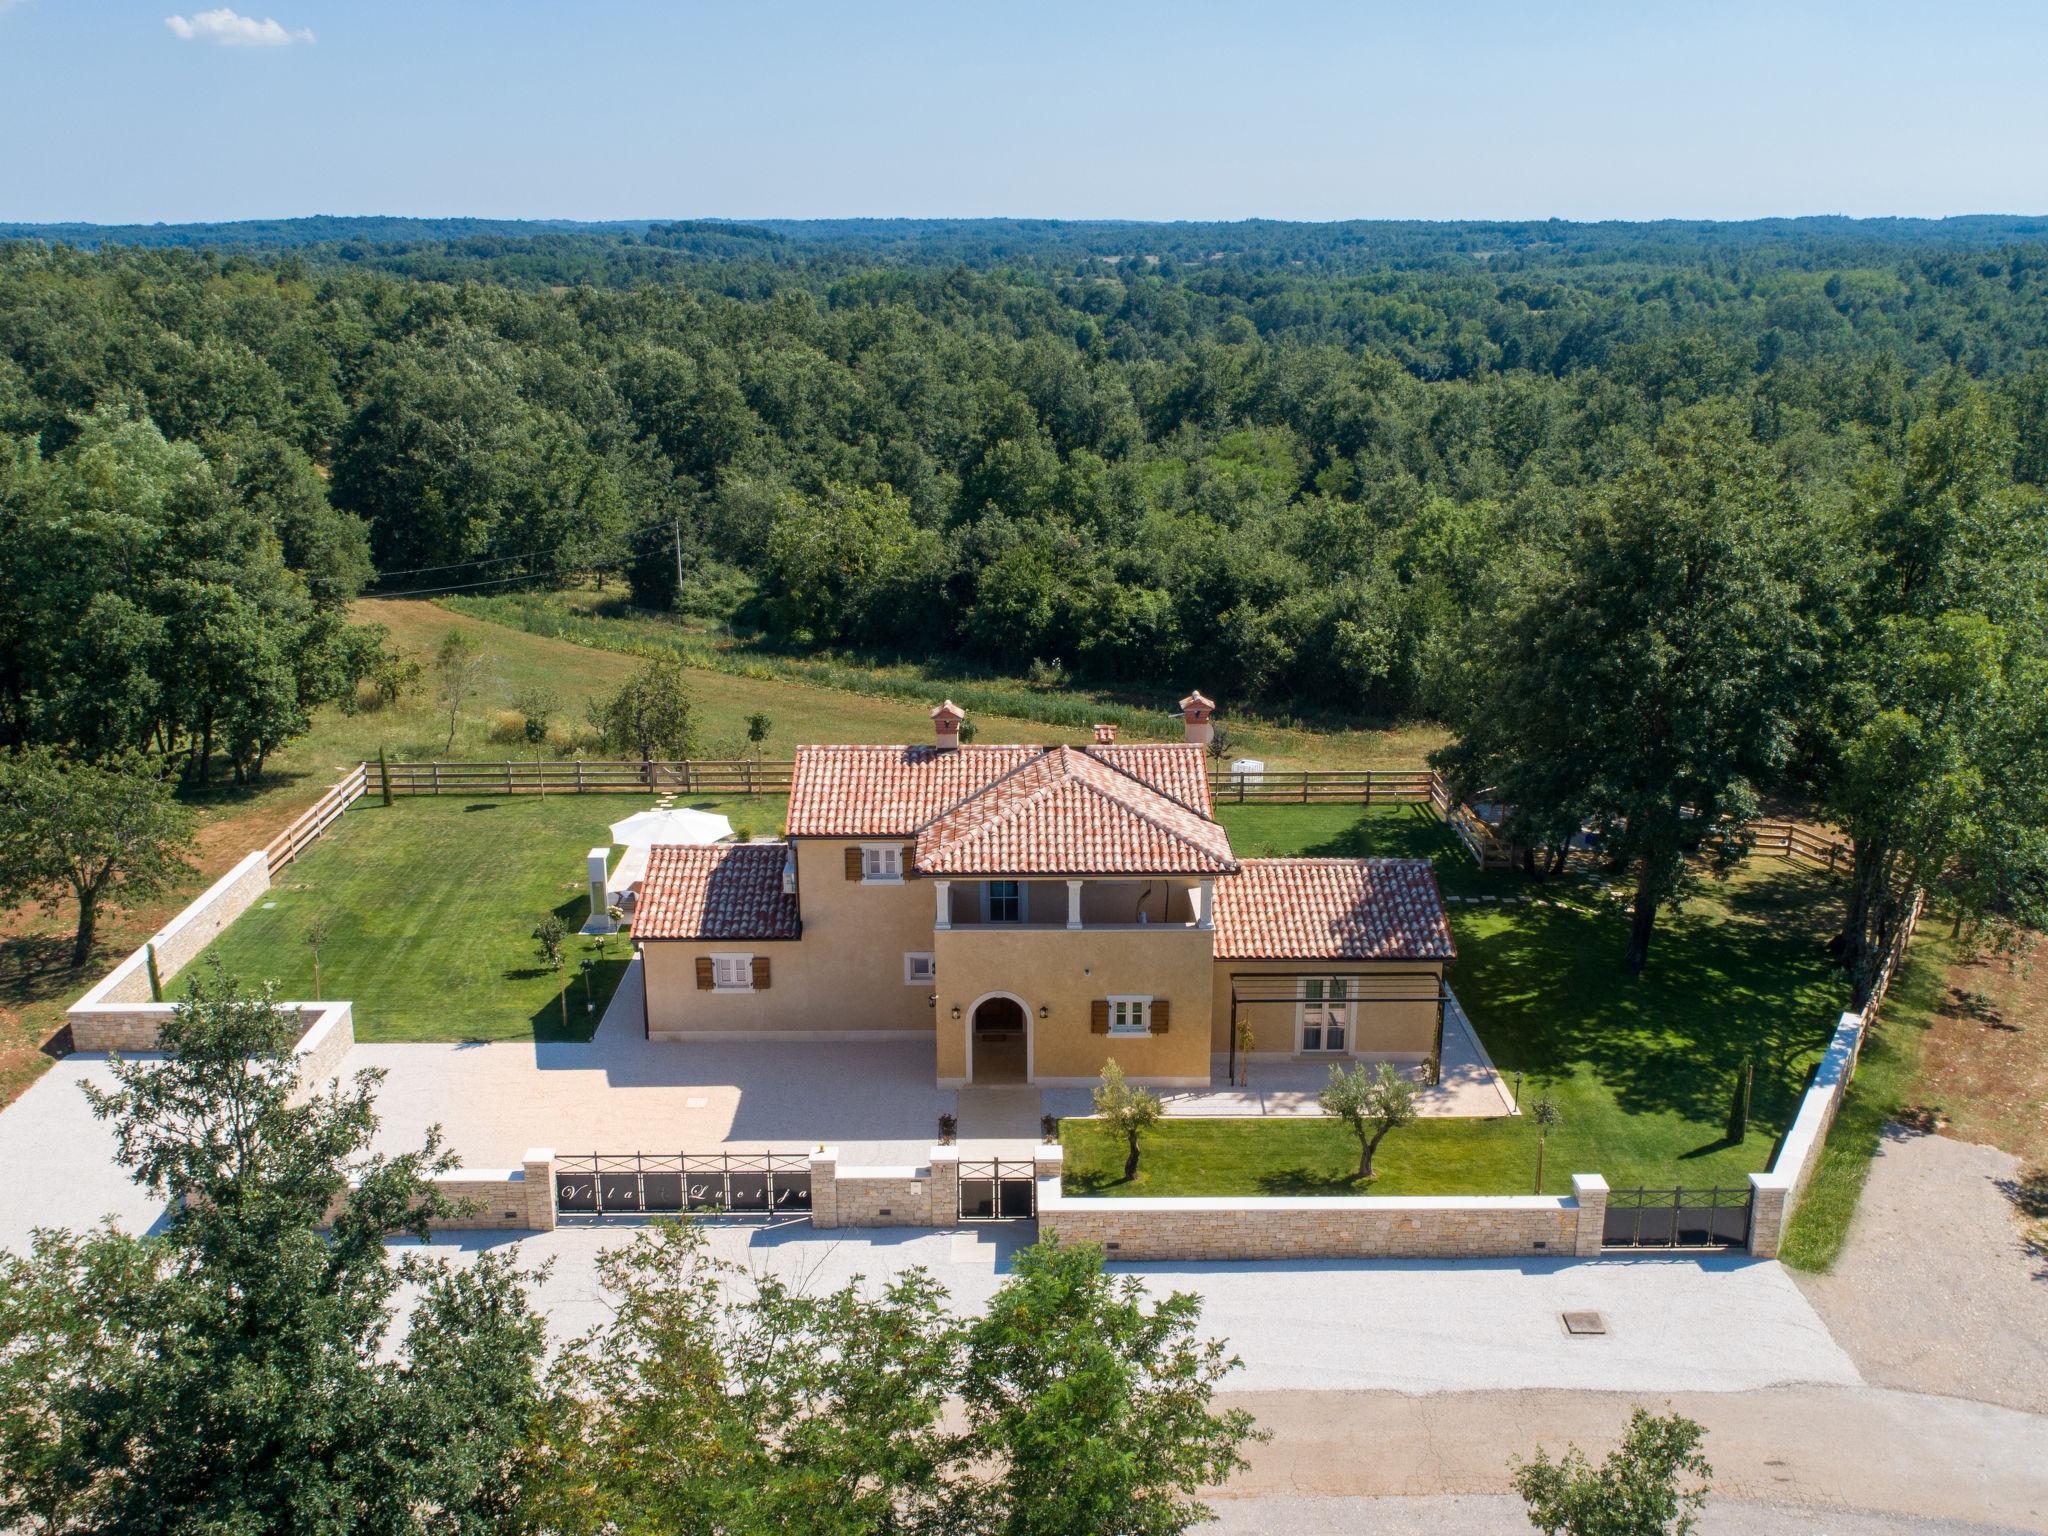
643, 828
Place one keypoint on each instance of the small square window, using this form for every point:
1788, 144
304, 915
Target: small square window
881, 861
732, 973
919, 970
1130, 1015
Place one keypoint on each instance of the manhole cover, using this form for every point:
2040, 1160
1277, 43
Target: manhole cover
1584, 1323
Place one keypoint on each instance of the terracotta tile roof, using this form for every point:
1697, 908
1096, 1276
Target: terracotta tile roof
888, 791
724, 891
862, 791
1067, 812
1332, 909
1176, 769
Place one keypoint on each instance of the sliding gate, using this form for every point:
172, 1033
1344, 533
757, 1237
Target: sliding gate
1677, 1218
684, 1183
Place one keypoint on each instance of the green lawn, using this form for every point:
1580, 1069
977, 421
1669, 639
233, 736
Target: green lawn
431, 904
1643, 1070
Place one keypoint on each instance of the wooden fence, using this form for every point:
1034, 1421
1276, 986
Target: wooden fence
707, 776
1360, 786
1801, 845
292, 841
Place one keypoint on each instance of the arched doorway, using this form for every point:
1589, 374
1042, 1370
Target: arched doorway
1000, 1052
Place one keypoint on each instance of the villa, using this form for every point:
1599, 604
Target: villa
1037, 911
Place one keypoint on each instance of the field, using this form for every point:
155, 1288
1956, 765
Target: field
430, 906
1643, 1070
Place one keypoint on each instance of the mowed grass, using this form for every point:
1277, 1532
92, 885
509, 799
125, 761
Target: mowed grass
1643, 1070
431, 904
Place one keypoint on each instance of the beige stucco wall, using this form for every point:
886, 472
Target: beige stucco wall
1381, 1028
1064, 971
843, 977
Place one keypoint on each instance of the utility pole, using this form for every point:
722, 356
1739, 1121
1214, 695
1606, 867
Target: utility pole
679, 557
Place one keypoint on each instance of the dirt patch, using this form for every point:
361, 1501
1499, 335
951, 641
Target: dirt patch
1984, 1071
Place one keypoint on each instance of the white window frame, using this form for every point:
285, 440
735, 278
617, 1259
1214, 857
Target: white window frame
911, 961
881, 863
1125, 1008
723, 964
1023, 902
1320, 1013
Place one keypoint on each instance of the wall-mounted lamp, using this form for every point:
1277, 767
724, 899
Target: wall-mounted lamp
1044, 1012
931, 999
956, 1010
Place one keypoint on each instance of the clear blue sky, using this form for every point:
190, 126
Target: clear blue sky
788, 108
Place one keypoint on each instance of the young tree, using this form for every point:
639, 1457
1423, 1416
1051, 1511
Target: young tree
703, 1404
94, 832
537, 707
1126, 1111
649, 717
1653, 1484
459, 667
318, 927
1545, 1113
1088, 1409
757, 732
550, 937
239, 1371
1661, 674
1371, 1103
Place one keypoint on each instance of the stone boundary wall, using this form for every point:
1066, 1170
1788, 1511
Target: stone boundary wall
518, 1199
1316, 1227
1775, 1194
885, 1197
117, 1014
329, 1032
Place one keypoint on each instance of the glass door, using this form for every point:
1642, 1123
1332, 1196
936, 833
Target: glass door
1325, 1014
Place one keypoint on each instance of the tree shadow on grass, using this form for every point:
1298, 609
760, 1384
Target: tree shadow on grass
1307, 1181
1730, 981
546, 1020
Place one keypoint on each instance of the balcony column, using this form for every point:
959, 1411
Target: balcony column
1073, 904
942, 890
1206, 918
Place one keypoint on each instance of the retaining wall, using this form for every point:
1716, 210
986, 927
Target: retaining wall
1345, 1227
1775, 1194
117, 1015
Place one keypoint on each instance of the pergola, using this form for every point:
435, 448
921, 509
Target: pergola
1250, 989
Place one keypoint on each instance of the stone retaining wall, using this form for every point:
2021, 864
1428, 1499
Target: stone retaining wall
518, 1199
1347, 1227
1775, 1195
117, 1015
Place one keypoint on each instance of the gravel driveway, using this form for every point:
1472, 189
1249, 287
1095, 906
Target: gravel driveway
1934, 1291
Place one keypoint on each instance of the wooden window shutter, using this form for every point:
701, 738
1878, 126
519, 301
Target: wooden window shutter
1160, 1013
909, 855
1098, 1016
704, 978
760, 973
853, 863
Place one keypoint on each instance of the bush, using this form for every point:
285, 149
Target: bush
369, 697
508, 727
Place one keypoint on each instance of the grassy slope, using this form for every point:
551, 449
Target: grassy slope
1642, 1069
1008, 708
432, 904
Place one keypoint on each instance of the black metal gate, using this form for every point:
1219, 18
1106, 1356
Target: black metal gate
1677, 1218
674, 1184
998, 1190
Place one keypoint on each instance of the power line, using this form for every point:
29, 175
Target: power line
496, 581
421, 570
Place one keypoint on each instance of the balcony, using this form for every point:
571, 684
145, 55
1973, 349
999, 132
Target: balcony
1093, 906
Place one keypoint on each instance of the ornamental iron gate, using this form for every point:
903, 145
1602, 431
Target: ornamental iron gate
684, 1183
998, 1191
1677, 1218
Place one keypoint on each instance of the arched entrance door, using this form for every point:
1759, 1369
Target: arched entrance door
999, 1048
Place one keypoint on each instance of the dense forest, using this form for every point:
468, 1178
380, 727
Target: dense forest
1356, 469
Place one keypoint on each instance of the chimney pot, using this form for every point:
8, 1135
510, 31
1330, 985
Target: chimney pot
1104, 735
1196, 712
946, 725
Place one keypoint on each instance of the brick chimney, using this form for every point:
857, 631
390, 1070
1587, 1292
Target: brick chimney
946, 726
1195, 712
1105, 735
